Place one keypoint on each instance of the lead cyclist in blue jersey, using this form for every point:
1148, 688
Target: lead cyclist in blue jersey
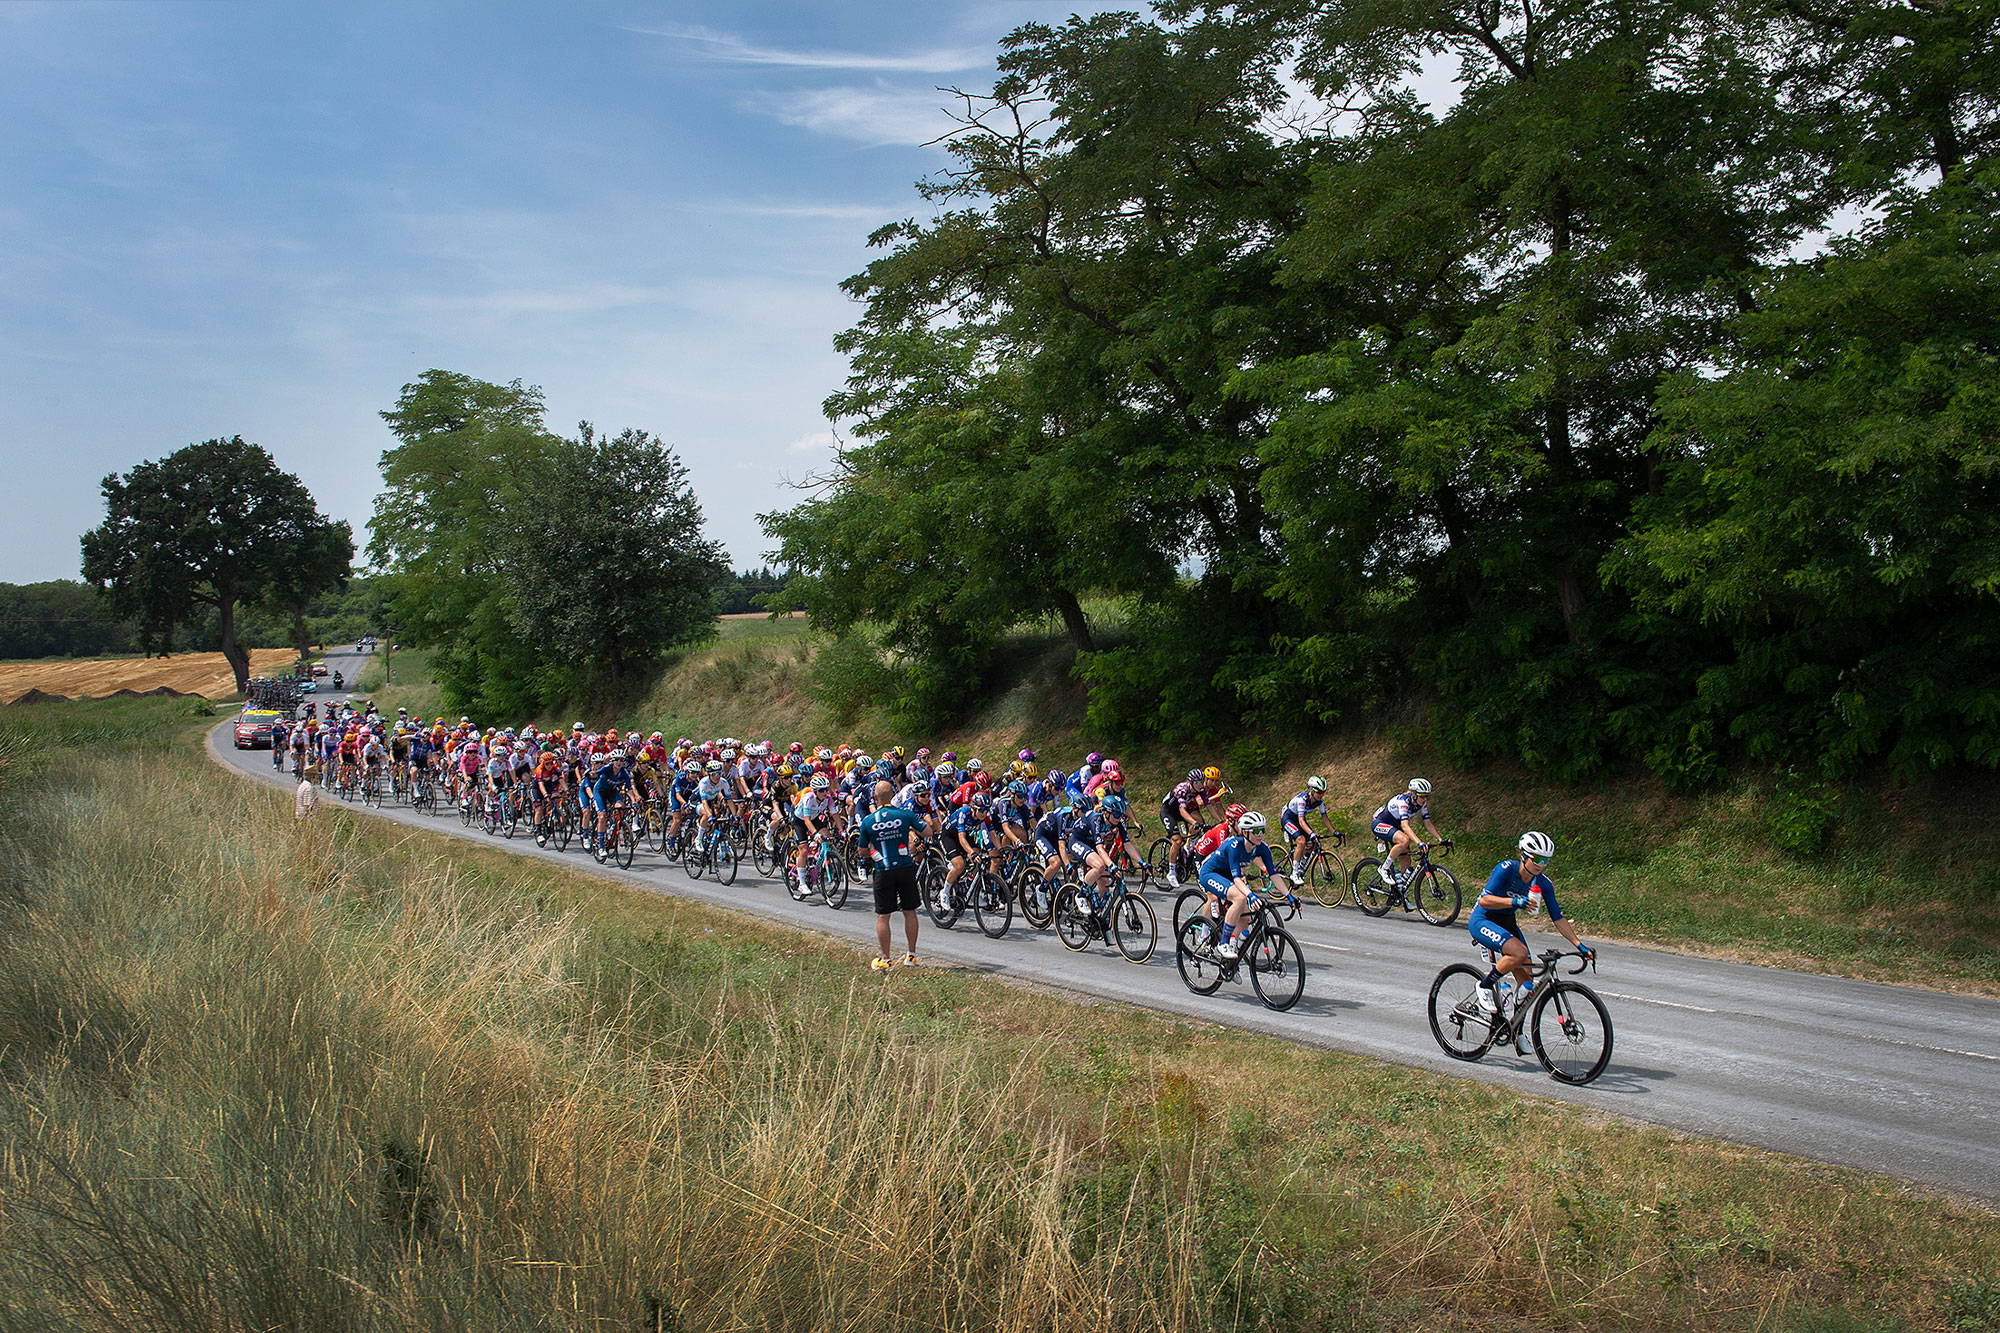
1223, 876
1512, 886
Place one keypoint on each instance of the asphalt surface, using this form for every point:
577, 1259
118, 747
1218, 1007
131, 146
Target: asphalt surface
1883, 1078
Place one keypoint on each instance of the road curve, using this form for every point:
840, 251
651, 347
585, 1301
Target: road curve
1883, 1078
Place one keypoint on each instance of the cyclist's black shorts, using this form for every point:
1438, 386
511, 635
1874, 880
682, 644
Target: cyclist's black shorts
895, 890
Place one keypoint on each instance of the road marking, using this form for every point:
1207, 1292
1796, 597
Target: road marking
1334, 947
1946, 1050
1647, 999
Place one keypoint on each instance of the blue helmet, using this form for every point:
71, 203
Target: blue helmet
1114, 804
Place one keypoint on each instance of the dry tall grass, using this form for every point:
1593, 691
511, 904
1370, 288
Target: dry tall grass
254, 1080
254, 1075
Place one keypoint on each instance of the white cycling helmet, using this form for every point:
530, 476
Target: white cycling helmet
1421, 786
1250, 822
1315, 783
819, 782
1537, 846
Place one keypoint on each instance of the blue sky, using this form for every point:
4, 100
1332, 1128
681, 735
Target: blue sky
225, 218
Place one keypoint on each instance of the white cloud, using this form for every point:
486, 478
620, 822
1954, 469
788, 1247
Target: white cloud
727, 47
817, 442
875, 117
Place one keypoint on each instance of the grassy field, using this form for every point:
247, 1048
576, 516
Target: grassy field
1885, 901
484, 1093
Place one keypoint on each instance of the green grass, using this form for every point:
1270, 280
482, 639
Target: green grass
354, 1075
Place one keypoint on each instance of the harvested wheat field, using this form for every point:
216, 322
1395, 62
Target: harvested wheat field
205, 674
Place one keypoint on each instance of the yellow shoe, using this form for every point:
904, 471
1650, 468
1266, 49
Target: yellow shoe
909, 960
880, 964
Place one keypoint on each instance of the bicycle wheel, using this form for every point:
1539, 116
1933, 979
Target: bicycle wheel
1199, 970
1326, 878
1277, 968
1037, 908
1571, 1030
1156, 864
1372, 893
1072, 916
763, 859
1437, 896
372, 798
656, 828
627, 845
728, 856
947, 902
565, 827
834, 883
1135, 927
1463, 1032
697, 857
992, 905
1188, 904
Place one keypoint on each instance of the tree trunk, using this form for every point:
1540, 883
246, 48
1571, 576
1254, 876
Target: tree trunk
232, 651
299, 632
1074, 620
1569, 589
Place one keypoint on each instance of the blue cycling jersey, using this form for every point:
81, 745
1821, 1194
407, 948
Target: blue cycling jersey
1054, 826
1234, 854
1506, 882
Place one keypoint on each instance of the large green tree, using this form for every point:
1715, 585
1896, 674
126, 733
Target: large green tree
535, 567
453, 485
609, 569
207, 529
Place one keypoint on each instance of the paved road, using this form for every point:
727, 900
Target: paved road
1884, 1078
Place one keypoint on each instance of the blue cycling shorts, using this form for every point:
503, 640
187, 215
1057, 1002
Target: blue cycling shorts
1492, 935
1216, 882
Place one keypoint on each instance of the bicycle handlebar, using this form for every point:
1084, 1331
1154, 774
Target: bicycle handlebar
1550, 957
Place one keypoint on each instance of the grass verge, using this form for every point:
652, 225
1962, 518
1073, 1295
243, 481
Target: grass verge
260, 1075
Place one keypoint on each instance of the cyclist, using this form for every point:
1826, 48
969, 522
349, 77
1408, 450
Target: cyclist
1110, 778
1052, 841
499, 772
1223, 876
1512, 886
1094, 835
681, 794
546, 784
711, 798
815, 814
1017, 817
1180, 810
1311, 801
399, 753
889, 832
1396, 824
612, 791
780, 790
967, 831
374, 758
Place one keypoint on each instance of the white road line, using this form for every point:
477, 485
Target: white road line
1333, 947
1946, 1050
1647, 999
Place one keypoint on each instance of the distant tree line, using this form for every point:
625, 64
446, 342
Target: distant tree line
66, 618
741, 591
538, 568
1566, 410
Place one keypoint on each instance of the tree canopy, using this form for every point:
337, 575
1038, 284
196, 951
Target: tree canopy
536, 567
1554, 403
210, 528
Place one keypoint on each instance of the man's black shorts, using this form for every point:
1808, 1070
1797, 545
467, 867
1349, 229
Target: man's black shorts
895, 890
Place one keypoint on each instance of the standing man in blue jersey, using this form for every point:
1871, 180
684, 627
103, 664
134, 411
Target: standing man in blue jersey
890, 834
